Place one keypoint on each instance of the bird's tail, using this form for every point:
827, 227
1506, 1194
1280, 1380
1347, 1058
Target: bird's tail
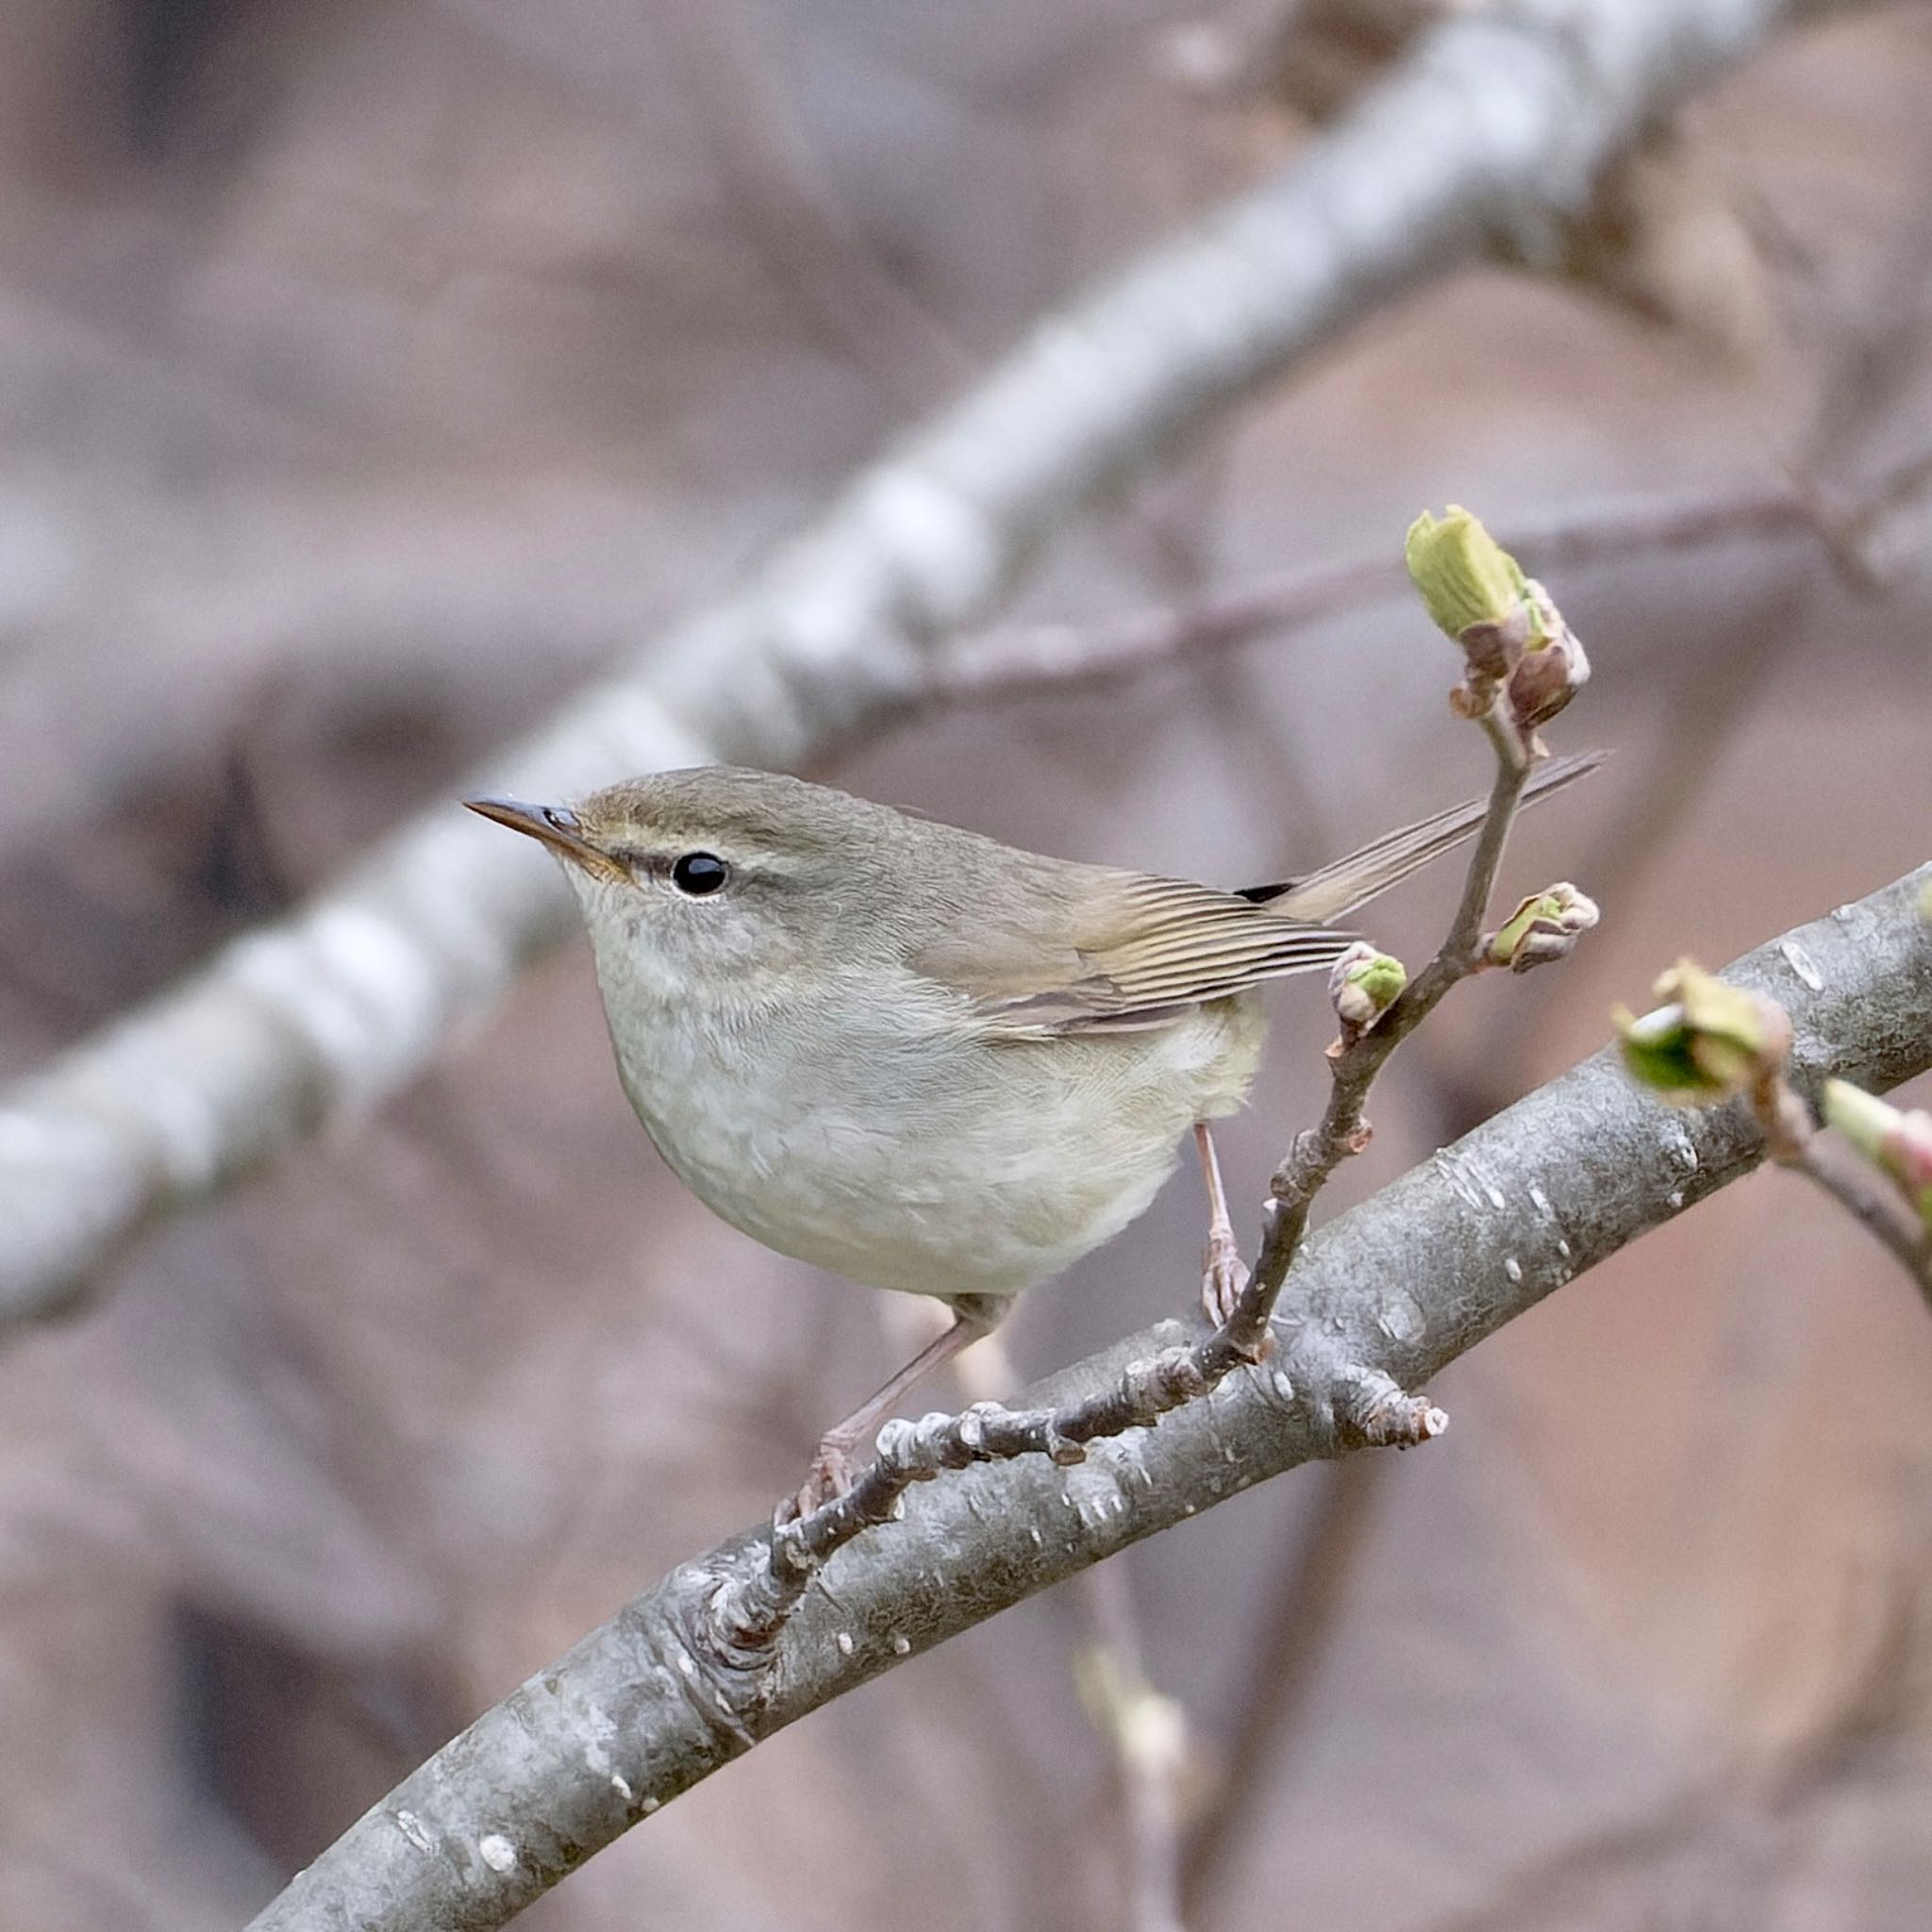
1339, 888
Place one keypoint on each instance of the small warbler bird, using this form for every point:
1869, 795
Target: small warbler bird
919, 1057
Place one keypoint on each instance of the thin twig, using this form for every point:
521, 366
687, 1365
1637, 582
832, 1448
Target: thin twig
1793, 1140
1345, 1128
1017, 661
749, 1609
1020, 661
1705, 702
1880, 1210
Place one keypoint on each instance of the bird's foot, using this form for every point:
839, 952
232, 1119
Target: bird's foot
828, 1478
1223, 1277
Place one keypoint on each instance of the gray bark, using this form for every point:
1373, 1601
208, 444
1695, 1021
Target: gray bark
662, 1696
1491, 130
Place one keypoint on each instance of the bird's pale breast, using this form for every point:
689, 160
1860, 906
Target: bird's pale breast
931, 1161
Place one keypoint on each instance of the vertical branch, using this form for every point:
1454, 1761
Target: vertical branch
1344, 1128
1307, 1597
1147, 1733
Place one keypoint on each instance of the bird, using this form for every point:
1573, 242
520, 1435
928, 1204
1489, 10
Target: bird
922, 1059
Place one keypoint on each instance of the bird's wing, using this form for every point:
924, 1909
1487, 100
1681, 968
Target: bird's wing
1101, 951
1135, 952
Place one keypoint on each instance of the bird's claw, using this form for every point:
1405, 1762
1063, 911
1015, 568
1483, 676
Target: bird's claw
1223, 1277
828, 1478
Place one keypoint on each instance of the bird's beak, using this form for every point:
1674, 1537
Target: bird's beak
555, 826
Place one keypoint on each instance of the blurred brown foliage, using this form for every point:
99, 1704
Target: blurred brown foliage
371, 368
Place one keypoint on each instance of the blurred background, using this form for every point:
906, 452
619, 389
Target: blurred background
371, 371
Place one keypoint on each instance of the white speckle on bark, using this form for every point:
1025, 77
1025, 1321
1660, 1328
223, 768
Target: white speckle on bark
1801, 963
844, 1642
1093, 1490
1470, 1182
497, 1852
1513, 1268
621, 1785
414, 1830
902, 1646
1399, 1316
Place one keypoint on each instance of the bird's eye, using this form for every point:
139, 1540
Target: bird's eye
697, 875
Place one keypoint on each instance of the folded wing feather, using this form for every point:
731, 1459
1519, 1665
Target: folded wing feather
1146, 953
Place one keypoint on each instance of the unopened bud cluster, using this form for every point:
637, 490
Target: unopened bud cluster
1519, 653
1544, 927
1364, 984
1897, 1142
1707, 1043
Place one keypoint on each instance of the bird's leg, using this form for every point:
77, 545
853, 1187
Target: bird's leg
830, 1475
1224, 1273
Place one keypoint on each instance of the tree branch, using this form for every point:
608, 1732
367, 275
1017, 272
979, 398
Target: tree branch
1022, 661
1495, 123
659, 1698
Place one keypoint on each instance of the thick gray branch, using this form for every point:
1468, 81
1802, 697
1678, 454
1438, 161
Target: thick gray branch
659, 1698
1495, 126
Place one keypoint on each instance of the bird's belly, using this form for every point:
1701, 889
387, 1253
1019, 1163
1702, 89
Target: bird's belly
966, 1170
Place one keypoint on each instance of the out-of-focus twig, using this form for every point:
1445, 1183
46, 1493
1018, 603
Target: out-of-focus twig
795, 222
1147, 1732
1306, 1600
1021, 661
